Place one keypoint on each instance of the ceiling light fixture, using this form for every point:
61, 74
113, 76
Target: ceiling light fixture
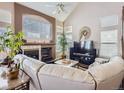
59, 9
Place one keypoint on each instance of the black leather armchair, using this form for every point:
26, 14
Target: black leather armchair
85, 54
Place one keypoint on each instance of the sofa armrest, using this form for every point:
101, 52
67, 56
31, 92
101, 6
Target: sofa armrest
108, 75
31, 67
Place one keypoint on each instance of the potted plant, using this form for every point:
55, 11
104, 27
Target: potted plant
11, 43
63, 44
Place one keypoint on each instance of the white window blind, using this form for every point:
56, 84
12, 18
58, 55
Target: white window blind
109, 43
109, 37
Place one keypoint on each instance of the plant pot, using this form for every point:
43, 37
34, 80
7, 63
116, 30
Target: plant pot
63, 56
13, 74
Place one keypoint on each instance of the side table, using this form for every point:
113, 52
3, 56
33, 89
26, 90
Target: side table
21, 83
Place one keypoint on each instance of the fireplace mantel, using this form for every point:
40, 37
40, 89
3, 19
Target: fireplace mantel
44, 44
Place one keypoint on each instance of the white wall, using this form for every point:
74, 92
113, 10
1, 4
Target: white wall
88, 14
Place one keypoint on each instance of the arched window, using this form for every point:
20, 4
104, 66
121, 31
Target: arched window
37, 28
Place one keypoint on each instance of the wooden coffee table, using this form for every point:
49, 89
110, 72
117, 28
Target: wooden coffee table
21, 83
71, 64
82, 66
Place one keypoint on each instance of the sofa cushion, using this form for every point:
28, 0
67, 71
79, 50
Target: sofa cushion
99, 61
66, 73
59, 77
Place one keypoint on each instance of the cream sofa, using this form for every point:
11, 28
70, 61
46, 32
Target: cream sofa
56, 77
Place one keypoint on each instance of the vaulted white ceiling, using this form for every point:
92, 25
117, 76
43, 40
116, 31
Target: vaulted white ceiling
50, 7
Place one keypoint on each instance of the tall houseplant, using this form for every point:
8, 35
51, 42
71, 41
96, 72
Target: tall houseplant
11, 43
63, 44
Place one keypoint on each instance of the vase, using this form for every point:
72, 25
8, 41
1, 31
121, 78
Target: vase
63, 56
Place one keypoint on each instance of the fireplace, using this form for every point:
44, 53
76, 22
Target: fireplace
40, 52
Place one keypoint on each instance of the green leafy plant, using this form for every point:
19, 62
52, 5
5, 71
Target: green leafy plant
63, 44
10, 42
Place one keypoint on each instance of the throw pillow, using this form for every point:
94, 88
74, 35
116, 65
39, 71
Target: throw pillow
99, 61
